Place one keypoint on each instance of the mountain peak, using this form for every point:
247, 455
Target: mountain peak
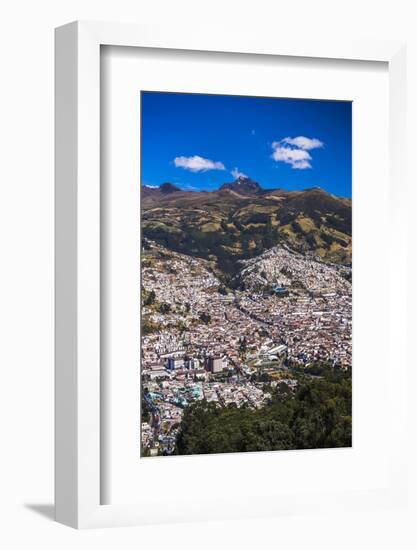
167, 188
243, 185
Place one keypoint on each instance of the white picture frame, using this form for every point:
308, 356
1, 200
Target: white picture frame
77, 242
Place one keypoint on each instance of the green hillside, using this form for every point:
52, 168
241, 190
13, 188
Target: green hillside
230, 225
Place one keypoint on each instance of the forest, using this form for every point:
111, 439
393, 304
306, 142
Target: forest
317, 415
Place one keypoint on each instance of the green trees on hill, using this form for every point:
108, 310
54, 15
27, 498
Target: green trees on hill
148, 297
205, 317
318, 416
234, 228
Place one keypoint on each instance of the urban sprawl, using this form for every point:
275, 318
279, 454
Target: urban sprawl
203, 341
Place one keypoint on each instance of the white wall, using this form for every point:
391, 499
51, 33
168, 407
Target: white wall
26, 256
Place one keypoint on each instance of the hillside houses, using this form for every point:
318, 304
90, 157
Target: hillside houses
208, 345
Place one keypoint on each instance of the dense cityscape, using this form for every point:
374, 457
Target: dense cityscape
234, 347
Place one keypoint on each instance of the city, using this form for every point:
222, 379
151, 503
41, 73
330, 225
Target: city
231, 347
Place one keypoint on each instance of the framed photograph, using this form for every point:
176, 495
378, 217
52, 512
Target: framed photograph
227, 336
246, 289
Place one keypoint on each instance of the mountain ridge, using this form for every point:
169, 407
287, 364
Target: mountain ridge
243, 185
227, 225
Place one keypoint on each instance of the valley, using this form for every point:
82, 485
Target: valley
246, 297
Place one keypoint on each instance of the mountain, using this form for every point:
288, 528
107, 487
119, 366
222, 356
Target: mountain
226, 226
148, 191
243, 185
168, 188
164, 189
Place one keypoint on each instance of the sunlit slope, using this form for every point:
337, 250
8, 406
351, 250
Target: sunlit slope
229, 224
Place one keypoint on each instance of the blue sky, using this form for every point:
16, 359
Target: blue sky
198, 142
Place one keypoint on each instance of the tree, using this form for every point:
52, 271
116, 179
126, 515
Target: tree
149, 327
150, 298
165, 308
243, 346
316, 415
268, 238
205, 317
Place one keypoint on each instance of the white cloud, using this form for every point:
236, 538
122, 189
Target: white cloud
198, 164
294, 151
297, 158
237, 174
304, 143
301, 165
